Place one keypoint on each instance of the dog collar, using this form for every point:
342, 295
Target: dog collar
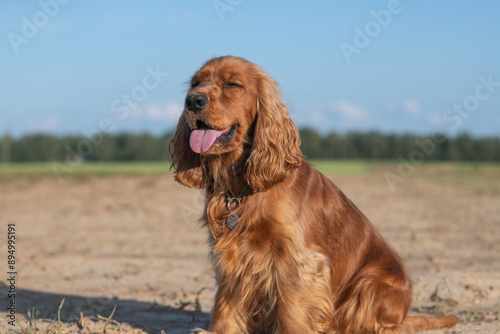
233, 219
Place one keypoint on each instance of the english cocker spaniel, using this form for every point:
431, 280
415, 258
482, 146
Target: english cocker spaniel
291, 253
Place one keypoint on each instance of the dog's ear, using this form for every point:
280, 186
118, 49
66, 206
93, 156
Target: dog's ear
187, 165
276, 145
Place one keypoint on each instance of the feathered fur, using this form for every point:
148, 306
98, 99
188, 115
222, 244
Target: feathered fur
302, 259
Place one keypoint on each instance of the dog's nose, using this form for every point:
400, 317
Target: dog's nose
196, 102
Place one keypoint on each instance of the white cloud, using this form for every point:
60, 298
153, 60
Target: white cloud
316, 116
436, 119
155, 112
167, 112
349, 110
47, 125
411, 107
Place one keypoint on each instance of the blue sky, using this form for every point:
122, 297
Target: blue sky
391, 66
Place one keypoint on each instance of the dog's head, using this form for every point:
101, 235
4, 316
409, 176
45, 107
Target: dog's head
232, 102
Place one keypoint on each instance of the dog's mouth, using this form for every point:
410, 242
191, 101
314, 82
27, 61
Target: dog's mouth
204, 136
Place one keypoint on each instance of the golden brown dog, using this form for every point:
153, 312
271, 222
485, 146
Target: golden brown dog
291, 253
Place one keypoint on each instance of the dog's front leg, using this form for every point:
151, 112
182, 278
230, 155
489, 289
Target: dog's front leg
305, 305
228, 317
292, 318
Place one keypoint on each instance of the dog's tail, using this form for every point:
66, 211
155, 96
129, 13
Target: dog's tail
422, 323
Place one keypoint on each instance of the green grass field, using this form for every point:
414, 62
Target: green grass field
96, 168
325, 166
100, 168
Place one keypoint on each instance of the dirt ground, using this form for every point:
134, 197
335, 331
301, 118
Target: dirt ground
126, 254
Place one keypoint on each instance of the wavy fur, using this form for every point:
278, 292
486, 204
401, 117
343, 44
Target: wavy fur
302, 259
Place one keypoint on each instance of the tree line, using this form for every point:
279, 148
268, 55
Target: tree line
352, 145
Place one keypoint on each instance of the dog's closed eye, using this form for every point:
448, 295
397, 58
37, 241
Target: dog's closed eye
233, 85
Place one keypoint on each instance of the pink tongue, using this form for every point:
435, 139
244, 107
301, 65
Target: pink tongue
201, 140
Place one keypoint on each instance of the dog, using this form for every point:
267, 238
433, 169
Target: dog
291, 253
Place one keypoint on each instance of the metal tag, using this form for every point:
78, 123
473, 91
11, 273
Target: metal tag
232, 220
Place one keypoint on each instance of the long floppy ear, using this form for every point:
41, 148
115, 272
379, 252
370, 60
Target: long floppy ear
187, 165
276, 146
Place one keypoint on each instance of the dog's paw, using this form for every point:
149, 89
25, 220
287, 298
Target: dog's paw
200, 331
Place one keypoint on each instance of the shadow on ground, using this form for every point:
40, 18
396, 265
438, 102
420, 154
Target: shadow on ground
149, 317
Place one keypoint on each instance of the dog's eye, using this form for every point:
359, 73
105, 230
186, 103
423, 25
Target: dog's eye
232, 85
194, 84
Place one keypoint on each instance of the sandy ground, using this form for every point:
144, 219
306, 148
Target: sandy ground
133, 242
